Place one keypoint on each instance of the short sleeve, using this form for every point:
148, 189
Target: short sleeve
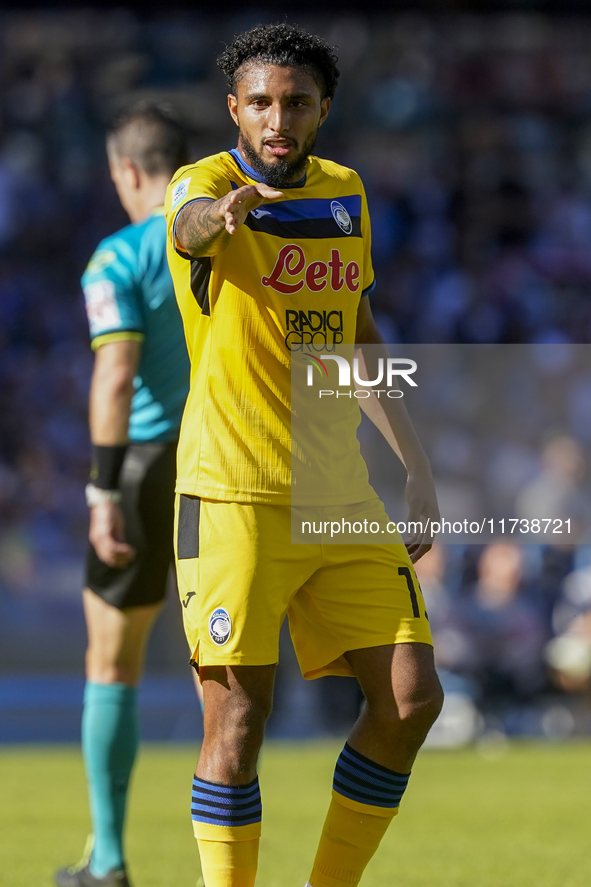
368, 276
112, 295
206, 180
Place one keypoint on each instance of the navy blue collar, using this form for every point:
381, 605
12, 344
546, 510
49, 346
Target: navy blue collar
253, 174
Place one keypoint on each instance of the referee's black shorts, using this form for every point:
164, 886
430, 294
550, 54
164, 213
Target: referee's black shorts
147, 488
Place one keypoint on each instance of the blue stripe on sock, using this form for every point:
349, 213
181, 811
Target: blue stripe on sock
232, 805
232, 790
362, 780
375, 771
243, 810
354, 784
224, 799
206, 791
355, 772
365, 797
218, 819
372, 765
208, 800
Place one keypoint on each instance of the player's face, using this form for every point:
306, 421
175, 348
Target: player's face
278, 111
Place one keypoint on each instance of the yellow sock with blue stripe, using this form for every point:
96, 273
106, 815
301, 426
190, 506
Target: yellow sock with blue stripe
365, 798
227, 825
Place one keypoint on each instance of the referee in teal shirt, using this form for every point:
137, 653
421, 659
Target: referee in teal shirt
139, 386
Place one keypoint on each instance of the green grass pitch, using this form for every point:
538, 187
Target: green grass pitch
519, 820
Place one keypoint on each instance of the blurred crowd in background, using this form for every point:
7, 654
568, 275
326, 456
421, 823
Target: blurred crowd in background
473, 137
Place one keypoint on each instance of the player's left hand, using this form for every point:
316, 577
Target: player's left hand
422, 509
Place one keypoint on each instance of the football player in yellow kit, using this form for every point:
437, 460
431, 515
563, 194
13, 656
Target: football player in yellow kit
267, 242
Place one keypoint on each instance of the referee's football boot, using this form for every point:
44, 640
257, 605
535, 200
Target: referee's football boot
83, 877
80, 876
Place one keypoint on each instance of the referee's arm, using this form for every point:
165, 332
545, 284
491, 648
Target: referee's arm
111, 391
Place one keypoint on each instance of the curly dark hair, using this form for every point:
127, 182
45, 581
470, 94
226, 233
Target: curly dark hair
282, 44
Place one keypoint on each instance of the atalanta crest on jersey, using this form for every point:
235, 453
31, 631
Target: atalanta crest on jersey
180, 191
220, 626
341, 216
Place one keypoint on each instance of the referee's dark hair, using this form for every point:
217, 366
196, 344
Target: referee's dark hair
283, 45
152, 136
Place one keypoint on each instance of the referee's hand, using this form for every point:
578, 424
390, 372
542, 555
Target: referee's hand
240, 202
107, 535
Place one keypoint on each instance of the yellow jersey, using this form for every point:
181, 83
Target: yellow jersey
290, 280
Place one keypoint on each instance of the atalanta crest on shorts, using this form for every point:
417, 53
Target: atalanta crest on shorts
341, 216
220, 626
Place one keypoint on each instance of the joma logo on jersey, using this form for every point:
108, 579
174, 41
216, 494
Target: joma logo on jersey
314, 329
291, 262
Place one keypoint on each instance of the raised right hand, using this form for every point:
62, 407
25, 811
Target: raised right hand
240, 202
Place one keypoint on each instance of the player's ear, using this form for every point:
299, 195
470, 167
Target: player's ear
233, 108
131, 172
324, 109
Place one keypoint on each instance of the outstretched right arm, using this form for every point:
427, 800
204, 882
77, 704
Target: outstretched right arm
201, 227
204, 227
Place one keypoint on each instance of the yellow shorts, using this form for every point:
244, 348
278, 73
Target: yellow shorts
239, 575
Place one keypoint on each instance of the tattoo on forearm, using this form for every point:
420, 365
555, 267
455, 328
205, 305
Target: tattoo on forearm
200, 226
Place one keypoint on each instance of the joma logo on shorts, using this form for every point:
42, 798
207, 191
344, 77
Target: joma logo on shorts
291, 261
323, 329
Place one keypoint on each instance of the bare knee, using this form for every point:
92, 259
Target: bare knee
408, 719
419, 713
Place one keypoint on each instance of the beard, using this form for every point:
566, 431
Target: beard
281, 172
